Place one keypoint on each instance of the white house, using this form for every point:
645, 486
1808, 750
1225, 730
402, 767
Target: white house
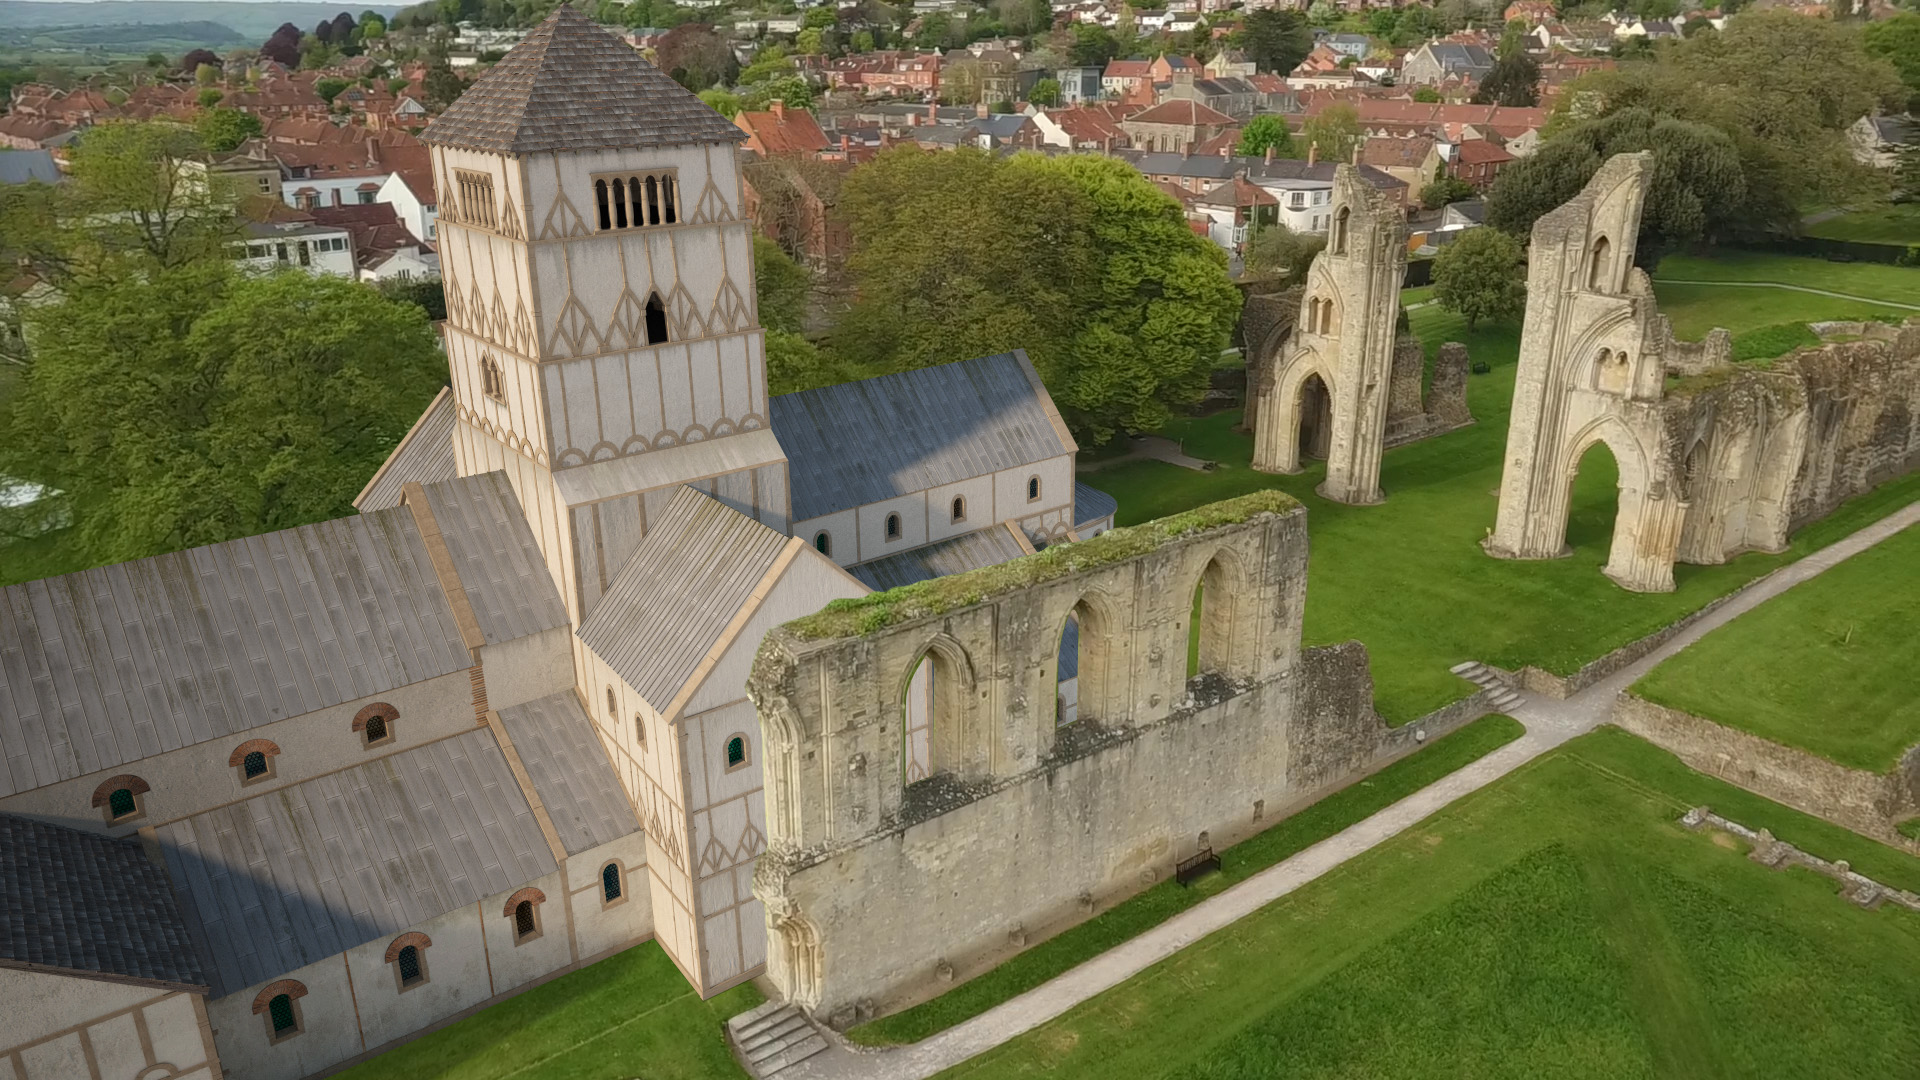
317, 249
410, 193
1304, 204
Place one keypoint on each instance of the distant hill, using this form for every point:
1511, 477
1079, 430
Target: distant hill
199, 33
251, 22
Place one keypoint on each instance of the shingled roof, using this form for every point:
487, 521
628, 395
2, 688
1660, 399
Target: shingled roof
572, 86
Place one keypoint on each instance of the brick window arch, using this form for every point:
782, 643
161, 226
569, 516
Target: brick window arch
279, 1002
120, 798
408, 956
523, 908
253, 760
375, 723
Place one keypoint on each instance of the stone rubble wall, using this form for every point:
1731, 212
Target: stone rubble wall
1863, 429
1413, 415
1778, 854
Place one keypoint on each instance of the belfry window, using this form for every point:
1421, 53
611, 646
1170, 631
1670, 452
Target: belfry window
637, 200
493, 381
656, 320
476, 197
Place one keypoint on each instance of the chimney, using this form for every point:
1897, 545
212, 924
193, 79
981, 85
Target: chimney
933, 112
1313, 153
980, 110
779, 108
846, 145
1269, 155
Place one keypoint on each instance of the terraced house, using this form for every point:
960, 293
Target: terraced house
271, 805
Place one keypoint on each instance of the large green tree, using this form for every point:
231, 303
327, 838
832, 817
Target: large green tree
1698, 189
1276, 40
1077, 259
1513, 80
1264, 133
1481, 276
221, 130
1897, 41
1276, 249
1333, 133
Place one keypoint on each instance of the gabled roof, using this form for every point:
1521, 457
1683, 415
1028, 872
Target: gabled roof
569, 771
89, 904
1182, 112
424, 456
572, 86
783, 132
1480, 152
957, 555
668, 606
875, 439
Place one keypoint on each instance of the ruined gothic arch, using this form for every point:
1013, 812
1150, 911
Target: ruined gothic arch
934, 694
1635, 487
1287, 412
1101, 680
1600, 266
799, 971
1220, 588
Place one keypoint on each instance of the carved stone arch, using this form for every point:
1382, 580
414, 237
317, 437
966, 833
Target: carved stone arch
1223, 587
1602, 333
1284, 409
1634, 459
951, 651
1599, 265
1100, 662
936, 709
800, 966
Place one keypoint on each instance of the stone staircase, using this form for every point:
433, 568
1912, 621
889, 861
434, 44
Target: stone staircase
773, 1038
1504, 697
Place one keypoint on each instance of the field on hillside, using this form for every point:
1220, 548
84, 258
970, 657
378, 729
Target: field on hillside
1559, 923
1827, 666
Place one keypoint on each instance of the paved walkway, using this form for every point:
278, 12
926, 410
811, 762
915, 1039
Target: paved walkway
1152, 448
1549, 723
1794, 288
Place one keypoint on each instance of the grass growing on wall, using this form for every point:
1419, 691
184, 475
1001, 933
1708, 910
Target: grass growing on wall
1559, 923
1154, 906
1828, 666
629, 1015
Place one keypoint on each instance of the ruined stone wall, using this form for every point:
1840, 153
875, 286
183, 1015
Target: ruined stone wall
1412, 414
1863, 419
878, 891
1266, 322
1868, 803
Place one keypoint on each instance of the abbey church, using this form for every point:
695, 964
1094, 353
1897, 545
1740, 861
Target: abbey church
272, 805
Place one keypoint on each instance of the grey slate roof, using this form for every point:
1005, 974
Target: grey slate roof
301, 873
1214, 167
494, 553
572, 86
1091, 504
874, 439
685, 580
969, 551
110, 665
423, 456
570, 771
89, 903
28, 166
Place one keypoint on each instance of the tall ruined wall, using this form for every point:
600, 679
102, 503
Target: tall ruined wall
877, 889
1863, 419
1414, 414
1266, 322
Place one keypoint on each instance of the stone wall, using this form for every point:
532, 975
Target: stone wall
1413, 415
1863, 419
1868, 803
879, 892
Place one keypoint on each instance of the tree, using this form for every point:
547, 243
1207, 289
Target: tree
1336, 131
209, 96
810, 42
284, 46
1427, 95
328, 89
223, 129
1264, 133
372, 25
696, 57
1077, 259
793, 91
1480, 276
1276, 249
1445, 189
782, 286
1045, 92
343, 27
1276, 40
1897, 41
724, 102
795, 364
1514, 80
1697, 189
1093, 46
190, 63
441, 85
195, 404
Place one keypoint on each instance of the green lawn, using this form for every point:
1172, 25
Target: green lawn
1139, 913
629, 1015
1877, 281
1559, 923
1828, 666
1890, 224
1408, 577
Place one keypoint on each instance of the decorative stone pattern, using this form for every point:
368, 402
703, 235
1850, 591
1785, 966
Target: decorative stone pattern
1344, 337
1868, 803
1779, 855
874, 887
1714, 459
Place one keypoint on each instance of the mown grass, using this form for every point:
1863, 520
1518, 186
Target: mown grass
1311, 825
1896, 224
1559, 923
1408, 577
1827, 666
1877, 281
632, 1014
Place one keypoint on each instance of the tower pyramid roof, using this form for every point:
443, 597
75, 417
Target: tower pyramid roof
572, 86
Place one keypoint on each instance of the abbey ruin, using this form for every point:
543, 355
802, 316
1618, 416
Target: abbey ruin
1715, 458
879, 887
1331, 372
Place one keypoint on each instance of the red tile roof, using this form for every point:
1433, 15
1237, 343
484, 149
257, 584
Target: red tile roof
782, 132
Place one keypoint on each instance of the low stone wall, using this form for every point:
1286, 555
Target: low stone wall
1868, 803
1779, 855
1561, 687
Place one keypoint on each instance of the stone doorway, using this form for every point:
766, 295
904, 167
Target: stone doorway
1316, 418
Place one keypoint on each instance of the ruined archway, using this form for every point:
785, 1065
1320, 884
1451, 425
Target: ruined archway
1639, 555
933, 720
1313, 419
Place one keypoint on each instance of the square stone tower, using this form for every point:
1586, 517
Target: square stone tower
601, 332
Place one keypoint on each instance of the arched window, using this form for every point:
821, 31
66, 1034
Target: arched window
118, 798
656, 321
736, 752
640, 729
254, 765
600, 197
121, 804
823, 543
613, 704
1340, 231
610, 883
279, 1003
280, 1015
666, 199
653, 201
253, 760
893, 526
1210, 629
959, 508
493, 382
1033, 489
523, 925
409, 968
375, 723
620, 204
408, 955
1599, 277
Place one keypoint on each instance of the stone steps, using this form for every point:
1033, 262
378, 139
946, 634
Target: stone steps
773, 1038
1504, 697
